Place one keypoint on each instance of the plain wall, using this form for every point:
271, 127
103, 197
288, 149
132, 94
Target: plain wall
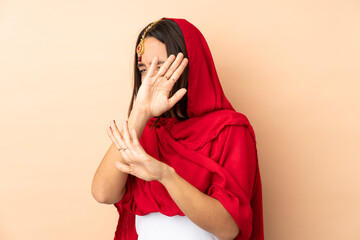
292, 67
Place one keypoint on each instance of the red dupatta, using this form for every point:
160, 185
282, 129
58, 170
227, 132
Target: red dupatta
214, 150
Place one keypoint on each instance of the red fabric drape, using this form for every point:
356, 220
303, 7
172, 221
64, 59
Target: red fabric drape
214, 150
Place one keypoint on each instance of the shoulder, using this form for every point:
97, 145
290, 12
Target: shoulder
196, 132
227, 115
231, 123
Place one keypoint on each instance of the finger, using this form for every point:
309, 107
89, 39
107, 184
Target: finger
122, 167
116, 133
174, 65
177, 96
126, 155
166, 65
113, 139
152, 68
126, 135
135, 139
176, 75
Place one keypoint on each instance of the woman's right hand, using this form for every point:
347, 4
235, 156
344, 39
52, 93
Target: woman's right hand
153, 94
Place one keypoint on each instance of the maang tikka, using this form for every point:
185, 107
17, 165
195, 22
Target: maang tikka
140, 47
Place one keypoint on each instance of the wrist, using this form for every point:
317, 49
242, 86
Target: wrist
142, 110
168, 174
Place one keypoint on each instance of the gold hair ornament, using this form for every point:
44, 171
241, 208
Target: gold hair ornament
140, 47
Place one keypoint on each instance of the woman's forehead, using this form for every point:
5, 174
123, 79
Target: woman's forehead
152, 48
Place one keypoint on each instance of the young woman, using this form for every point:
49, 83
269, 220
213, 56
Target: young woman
184, 164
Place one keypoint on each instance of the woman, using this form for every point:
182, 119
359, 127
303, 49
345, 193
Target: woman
184, 165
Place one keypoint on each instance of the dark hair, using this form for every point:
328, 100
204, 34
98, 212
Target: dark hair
168, 32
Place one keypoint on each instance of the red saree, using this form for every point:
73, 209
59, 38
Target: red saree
214, 150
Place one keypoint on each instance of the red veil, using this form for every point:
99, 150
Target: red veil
214, 150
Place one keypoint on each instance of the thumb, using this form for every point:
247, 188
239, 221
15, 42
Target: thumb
177, 96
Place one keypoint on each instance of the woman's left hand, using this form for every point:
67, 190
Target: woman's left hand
139, 163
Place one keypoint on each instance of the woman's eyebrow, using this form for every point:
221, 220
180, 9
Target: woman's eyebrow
142, 65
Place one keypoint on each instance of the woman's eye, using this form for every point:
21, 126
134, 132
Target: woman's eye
142, 71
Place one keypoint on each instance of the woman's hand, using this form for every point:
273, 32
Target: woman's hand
153, 94
137, 161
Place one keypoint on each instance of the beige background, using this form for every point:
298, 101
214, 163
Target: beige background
292, 68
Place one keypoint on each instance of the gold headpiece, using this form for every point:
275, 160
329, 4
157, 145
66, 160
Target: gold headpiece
140, 47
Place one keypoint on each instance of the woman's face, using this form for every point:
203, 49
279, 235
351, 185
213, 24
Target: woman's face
152, 48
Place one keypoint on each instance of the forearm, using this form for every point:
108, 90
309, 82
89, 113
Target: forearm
108, 184
205, 211
138, 119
